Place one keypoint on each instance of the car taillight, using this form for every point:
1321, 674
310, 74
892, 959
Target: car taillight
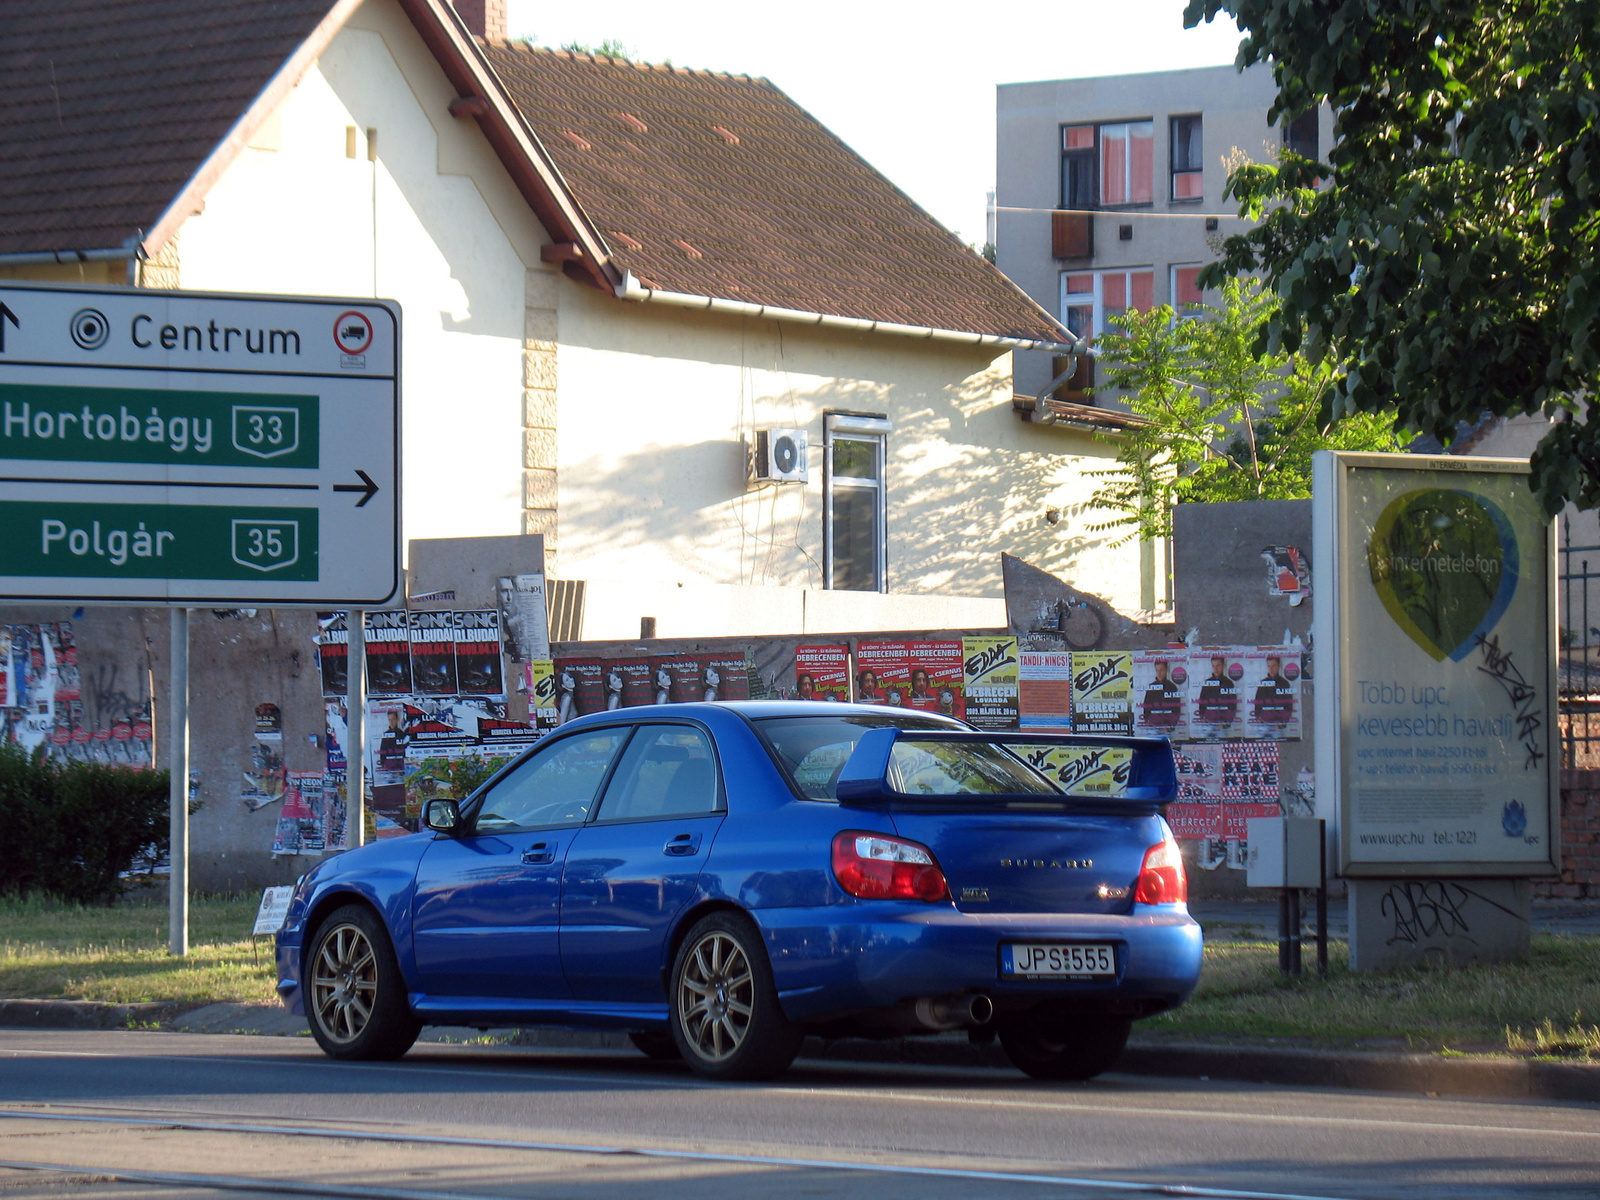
1161, 878
875, 867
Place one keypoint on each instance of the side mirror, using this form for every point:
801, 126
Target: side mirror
441, 816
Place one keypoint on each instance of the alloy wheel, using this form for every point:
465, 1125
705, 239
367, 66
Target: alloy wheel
716, 993
344, 983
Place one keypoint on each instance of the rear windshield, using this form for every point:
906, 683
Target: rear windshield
813, 750
963, 769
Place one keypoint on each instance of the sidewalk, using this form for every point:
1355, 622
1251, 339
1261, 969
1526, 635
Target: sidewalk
1499, 1077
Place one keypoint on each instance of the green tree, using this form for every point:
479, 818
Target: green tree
1223, 419
610, 48
1445, 256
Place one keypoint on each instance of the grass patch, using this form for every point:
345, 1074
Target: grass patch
1477, 1009
51, 950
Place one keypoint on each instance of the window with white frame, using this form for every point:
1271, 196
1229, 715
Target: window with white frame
1091, 298
1127, 163
855, 511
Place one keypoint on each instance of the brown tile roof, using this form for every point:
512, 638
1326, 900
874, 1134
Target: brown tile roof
109, 108
720, 185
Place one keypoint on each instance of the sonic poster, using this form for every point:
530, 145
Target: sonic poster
1442, 744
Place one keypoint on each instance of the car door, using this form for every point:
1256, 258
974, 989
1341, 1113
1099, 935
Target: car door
487, 904
632, 870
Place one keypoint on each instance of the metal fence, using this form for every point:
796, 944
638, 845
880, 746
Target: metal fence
1579, 663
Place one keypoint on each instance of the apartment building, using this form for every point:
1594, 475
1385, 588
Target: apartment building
1109, 191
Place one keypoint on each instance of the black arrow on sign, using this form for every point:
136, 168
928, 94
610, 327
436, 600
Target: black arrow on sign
6, 315
366, 487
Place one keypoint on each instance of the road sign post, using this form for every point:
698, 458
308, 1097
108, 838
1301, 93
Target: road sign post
198, 450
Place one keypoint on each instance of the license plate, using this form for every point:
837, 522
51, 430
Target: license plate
1042, 960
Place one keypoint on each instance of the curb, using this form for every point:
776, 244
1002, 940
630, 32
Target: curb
1434, 1075
84, 1014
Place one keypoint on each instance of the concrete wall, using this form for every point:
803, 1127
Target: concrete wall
1233, 108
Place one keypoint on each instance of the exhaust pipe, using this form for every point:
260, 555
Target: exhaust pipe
945, 1013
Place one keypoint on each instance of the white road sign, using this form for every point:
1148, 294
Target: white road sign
192, 449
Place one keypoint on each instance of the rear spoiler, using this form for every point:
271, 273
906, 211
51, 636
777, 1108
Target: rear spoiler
864, 781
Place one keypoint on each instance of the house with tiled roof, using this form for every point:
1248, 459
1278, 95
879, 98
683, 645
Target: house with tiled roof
629, 292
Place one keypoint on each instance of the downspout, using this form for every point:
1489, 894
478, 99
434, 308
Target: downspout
631, 289
1041, 408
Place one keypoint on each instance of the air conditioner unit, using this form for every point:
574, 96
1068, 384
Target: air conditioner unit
779, 456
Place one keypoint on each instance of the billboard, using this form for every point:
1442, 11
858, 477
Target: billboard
1437, 747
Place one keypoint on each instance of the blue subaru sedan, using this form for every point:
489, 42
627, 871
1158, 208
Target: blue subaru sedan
720, 880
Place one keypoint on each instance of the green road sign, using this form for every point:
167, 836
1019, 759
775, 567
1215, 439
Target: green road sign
193, 449
158, 541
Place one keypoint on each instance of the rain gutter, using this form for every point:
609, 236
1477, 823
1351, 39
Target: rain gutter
631, 289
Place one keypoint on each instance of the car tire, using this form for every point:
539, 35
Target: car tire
355, 994
657, 1046
1049, 1044
726, 1019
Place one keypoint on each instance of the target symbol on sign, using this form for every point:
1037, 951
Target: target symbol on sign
89, 328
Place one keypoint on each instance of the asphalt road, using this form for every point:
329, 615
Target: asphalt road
153, 1115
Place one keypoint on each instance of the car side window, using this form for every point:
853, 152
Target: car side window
555, 787
667, 771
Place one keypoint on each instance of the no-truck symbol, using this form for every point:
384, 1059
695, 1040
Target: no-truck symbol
353, 332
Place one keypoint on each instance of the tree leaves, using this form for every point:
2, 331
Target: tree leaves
1447, 263
1224, 419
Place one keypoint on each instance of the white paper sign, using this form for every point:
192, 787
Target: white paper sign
274, 908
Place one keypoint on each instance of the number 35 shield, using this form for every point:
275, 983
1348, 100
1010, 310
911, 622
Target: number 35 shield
266, 545
265, 431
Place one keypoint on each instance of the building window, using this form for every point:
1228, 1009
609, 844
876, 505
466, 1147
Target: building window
855, 515
1077, 168
1091, 298
1300, 135
1127, 163
1188, 170
1107, 165
1186, 294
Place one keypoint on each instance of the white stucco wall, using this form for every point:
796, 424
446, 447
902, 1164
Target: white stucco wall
656, 404
652, 405
434, 223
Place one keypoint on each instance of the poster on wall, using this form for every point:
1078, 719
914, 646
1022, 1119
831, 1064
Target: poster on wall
580, 687
1083, 770
883, 673
934, 678
478, 654
1216, 710
822, 672
990, 678
524, 616
1288, 573
1272, 687
1438, 737
1102, 692
433, 653
302, 821
333, 653
1199, 768
726, 676
1044, 690
539, 681
388, 643
1161, 693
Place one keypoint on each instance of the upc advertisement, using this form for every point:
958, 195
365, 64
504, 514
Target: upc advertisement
1446, 755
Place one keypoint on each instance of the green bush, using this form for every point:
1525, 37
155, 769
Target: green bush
73, 829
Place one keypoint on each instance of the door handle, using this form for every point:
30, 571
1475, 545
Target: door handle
540, 852
683, 845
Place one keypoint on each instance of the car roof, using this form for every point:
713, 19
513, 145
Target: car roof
756, 710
